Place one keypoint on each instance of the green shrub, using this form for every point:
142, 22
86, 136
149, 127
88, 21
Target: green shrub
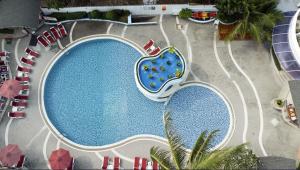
6, 31
56, 4
185, 13
111, 15
96, 14
68, 16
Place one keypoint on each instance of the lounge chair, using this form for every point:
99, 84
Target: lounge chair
31, 52
24, 69
2, 63
25, 87
148, 44
3, 53
136, 165
55, 33
71, 166
117, 162
22, 97
21, 161
16, 115
291, 112
144, 164
155, 165
19, 104
23, 79
3, 68
27, 61
105, 162
49, 37
149, 165
62, 30
41, 40
155, 51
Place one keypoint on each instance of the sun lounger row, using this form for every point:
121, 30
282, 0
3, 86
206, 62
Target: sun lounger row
143, 164
107, 165
150, 48
47, 39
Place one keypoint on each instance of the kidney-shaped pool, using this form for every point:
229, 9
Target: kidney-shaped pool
90, 99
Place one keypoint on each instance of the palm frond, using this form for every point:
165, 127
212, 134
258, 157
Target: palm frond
215, 159
197, 145
206, 144
177, 148
162, 157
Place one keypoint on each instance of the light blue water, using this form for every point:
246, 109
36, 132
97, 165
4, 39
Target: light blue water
92, 99
165, 66
195, 109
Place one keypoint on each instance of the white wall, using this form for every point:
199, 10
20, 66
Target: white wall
288, 5
138, 9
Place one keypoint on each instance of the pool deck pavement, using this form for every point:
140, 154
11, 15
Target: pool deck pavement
241, 70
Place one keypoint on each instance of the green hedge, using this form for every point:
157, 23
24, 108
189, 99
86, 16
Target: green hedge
113, 15
6, 31
68, 16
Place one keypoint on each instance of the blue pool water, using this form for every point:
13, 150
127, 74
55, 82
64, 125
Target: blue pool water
91, 98
195, 109
154, 72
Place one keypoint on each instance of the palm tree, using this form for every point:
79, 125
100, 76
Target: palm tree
201, 155
257, 18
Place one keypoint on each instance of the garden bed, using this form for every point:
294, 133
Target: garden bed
113, 15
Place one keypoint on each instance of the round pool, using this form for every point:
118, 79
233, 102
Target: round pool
90, 100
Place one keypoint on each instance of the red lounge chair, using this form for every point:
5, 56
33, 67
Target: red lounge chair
27, 61
105, 162
21, 161
71, 167
24, 69
144, 164
31, 52
2, 63
116, 163
21, 97
49, 37
19, 104
3, 53
155, 51
148, 44
41, 39
25, 87
136, 163
62, 30
16, 115
24, 79
212, 14
155, 165
55, 33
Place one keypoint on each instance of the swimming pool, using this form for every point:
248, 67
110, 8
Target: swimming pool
90, 98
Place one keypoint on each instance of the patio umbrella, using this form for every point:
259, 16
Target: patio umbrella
10, 155
10, 88
60, 159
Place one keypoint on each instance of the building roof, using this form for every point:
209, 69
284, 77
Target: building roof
19, 13
282, 46
295, 89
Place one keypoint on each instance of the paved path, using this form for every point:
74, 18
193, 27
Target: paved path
241, 70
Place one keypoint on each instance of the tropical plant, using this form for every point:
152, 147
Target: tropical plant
201, 155
229, 11
150, 76
162, 79
172, 50
146, 67
185, 13
178, 73
56, 4
152, 84
255, 18
162, 68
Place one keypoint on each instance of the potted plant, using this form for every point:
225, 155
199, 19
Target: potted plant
172, 50
152, 84
185, 13
162, 79
162, 68
178, 73
170, 76
162, 56
150, 76
146, 67
154, 69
